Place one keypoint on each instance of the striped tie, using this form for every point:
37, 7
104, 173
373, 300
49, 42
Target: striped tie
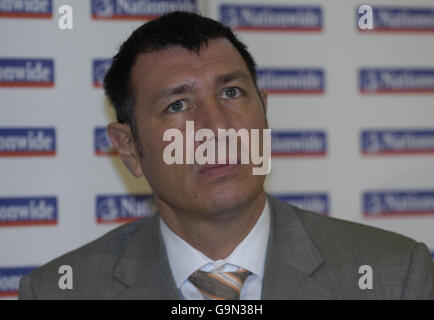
218, 285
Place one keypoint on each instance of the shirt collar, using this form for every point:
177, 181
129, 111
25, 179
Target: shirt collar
249, 254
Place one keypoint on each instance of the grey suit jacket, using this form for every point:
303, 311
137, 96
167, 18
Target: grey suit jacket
309, 256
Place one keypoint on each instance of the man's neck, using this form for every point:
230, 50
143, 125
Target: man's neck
215, 238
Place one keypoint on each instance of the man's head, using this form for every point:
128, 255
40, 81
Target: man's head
184, 67
183, 29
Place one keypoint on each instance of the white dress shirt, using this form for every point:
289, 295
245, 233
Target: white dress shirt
249, 254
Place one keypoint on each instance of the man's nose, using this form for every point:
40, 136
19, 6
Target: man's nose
212, 114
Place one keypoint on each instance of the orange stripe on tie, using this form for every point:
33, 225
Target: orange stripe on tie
225, 282
233, 276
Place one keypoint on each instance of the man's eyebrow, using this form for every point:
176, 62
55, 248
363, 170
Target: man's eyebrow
183, 88
225, 78
189, 87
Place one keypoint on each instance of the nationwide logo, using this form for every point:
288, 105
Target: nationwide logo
28, 211
26, 8
403, 141
298, 143
100, 68
26, 72
102, 142
27, 142
291, 81
389, 80
401, 19
123, 208
10, 280
138, 9
272, 18
398, 203
316, 202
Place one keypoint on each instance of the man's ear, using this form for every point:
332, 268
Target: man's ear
123, 141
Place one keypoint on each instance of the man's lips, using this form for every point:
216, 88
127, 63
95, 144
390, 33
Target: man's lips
208, 168
212, 166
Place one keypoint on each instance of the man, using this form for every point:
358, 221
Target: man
217, 234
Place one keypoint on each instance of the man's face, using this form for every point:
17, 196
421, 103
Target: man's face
215, 90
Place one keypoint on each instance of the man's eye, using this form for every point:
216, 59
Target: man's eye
177, 106
231, 92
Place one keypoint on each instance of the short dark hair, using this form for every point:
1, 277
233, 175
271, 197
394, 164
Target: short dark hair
179, 28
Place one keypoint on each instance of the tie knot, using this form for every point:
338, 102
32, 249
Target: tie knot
218, 285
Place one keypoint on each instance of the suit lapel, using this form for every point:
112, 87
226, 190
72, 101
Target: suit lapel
291, 258
144, 267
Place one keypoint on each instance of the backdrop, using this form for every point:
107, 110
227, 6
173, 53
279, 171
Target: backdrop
351, 112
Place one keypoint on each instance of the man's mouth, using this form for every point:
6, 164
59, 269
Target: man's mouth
214, 170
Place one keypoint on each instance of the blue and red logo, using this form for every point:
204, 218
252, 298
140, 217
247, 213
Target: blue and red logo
393, 80
26, 8
28, 211
298, 143
316, 202
102, 142
99, 70
397, 142
401, 19
123, 208
272, 18
291, 81
26, 72
10, 280
133, 9
398, 203
27, 142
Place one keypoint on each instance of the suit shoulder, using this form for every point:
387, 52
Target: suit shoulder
365, 241
316, 220
334, 231
99, 255
400, 266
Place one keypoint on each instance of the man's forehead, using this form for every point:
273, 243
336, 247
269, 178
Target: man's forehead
217, 50
177, 64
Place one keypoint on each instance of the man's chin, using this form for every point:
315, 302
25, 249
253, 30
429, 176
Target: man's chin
229, 198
